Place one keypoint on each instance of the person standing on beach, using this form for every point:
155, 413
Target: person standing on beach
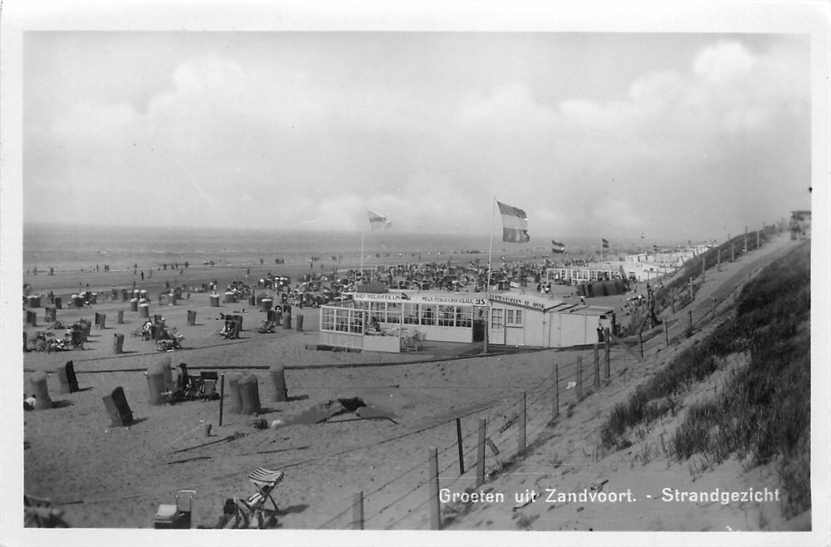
142, 275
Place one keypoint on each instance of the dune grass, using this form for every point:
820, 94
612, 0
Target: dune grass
763, 413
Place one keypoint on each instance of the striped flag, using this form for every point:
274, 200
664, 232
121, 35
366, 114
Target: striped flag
604, 242
557, 247
514, 224
378, 222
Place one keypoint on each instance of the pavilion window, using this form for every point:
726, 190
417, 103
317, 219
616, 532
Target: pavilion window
497, 318
428, 315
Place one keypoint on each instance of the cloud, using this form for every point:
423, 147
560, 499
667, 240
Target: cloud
723, 62
230, 142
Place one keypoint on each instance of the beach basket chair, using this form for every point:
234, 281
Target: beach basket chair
264, 481
207, 385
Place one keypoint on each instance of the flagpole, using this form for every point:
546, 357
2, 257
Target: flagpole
490, 248
362, 257
488, 286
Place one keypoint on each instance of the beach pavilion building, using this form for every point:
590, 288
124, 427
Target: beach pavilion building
531, 320
390, 321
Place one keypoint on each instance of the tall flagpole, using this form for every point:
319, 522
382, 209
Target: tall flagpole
488, 286
362, 258
490, 248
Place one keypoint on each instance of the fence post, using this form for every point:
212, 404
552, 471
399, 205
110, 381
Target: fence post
435, 508
358, 511
480, 453
221, 396
580, 378
608, 357
640, 342
690, 321
596, 366
666, 331
555, 411
459, 443
522, 422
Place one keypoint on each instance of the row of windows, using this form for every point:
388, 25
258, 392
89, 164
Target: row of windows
342, 320
355, 320
419, 314
502, 318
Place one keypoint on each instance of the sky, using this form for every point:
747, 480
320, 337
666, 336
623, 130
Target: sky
671, 135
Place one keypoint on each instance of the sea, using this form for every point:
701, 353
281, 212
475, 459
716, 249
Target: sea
72, 247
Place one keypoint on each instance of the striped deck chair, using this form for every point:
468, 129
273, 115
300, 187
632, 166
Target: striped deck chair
265, 481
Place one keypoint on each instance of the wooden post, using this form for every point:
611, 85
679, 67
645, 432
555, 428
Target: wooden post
221, 396
608, 357
487, 326
640, 342
555, 412
690, 321
480, 453
459, 444
358, 510
666, 331
580, 378
596, 366
435, 507
278, 380
523, 419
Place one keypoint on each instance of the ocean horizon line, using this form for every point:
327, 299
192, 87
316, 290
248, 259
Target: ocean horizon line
544, 240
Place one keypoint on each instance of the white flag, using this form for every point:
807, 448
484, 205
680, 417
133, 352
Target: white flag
378, 222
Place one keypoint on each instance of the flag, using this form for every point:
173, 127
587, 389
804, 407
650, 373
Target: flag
378, 222
605, 242
514, 224
557, 247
